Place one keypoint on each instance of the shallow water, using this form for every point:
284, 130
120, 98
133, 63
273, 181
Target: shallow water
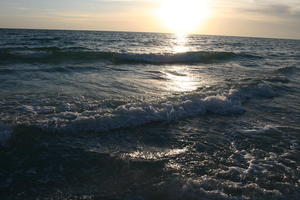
116, 115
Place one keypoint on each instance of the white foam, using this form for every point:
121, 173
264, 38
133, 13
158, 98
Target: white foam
187, 57
223, 105
38, 109
260, 130
203, 188
154, 154
98, 119
68, 115
131, 115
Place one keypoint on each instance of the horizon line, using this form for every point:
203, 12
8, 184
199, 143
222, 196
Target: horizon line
96, 30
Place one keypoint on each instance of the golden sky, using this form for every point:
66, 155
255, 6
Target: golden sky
256, 18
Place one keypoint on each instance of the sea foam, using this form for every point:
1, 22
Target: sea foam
131, 115
99, 118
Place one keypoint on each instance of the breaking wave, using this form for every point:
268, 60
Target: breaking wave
131, 115
53, 54
127, 115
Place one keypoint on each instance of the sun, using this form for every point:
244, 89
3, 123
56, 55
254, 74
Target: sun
183, 16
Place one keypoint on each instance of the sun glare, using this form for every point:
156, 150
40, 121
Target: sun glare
183, 16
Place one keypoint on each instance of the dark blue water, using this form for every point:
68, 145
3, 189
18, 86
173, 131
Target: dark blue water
117, 115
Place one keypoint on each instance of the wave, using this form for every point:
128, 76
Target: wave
287, 70
45, 39
134, 115
53, 54
131, 115
128, 115
60, 69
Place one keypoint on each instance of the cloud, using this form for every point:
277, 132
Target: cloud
279, 10
275, 11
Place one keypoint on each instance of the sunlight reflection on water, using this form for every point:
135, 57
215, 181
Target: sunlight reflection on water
155, 154
180, 43
181, 79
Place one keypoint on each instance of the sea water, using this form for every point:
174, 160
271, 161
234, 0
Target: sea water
120, 115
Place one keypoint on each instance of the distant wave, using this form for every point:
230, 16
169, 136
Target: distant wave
53, 54
61, 69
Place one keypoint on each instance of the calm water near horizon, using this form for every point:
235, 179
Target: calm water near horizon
122, 115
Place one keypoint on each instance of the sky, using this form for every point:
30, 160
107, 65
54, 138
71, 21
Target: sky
255, 18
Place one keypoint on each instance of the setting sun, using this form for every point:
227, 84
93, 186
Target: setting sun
183, 16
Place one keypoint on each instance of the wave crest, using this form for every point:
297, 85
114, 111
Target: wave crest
127, 115
53, 54
131, 115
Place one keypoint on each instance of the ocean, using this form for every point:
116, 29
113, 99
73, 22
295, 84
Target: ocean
138, 116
